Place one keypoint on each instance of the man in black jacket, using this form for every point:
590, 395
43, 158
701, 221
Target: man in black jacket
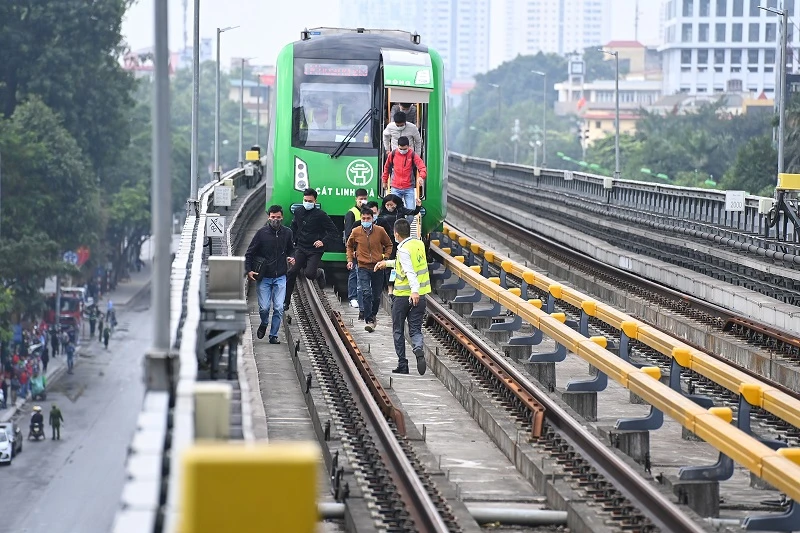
266, 262
313, 230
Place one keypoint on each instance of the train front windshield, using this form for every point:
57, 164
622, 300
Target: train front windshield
329, 101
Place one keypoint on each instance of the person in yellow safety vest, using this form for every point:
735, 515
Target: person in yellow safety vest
412, 283
351, 219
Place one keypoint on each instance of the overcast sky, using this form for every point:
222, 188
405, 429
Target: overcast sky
267, 25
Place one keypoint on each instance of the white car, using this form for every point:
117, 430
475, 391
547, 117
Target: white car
5, 448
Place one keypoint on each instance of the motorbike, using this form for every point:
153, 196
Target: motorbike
37, 431
38, 388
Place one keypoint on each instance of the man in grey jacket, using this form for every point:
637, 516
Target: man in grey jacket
401, 128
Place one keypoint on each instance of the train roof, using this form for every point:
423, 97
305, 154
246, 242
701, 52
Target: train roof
352, 46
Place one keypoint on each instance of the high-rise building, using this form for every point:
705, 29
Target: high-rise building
549, 26
716, 46
457, 29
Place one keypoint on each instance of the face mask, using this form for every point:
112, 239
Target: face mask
391, 209
308, 205
366, 225
274, 223
404, 152
362, 202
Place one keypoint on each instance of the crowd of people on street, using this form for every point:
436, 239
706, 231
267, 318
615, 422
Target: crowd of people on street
380, 251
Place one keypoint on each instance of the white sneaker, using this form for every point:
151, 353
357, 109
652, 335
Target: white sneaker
354, 304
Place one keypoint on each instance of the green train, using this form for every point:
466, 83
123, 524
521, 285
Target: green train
350, 78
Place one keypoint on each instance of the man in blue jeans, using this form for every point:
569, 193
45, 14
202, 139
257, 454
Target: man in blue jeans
266, 262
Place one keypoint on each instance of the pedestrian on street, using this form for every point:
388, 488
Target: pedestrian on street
70, 349
56, 419
100, 331
266, 262
92, 321
45, 359
106, 336
4, 388
54, 341
411, 284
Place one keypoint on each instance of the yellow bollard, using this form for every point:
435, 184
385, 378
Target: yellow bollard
269, 488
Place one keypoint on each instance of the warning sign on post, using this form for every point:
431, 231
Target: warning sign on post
215, 226
734, 201
223, 196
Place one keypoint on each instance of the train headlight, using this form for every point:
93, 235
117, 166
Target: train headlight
423, 77
300, 175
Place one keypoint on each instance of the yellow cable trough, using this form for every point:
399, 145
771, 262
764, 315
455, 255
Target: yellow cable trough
756, 392
777, 468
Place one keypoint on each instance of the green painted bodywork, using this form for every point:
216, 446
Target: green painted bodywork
330, 176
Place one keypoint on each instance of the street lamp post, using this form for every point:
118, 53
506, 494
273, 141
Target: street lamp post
780, 90
217, 169
544, 114
258, 111
241, 115
499, 113
195, 102
616, 111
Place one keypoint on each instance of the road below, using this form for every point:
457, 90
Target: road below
74, 485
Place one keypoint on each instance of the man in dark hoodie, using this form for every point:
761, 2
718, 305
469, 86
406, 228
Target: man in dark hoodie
391, 210
351, 218
266, 262
313, 231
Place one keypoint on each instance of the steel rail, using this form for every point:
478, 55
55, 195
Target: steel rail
729, 318
625, 479
410, 488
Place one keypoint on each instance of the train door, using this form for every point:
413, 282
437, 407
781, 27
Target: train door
408, 79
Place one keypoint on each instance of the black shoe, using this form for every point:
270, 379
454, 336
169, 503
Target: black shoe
286, 307
274, 340
400, 370
262, 330
370, 326
361, 316
321, 278
421, 365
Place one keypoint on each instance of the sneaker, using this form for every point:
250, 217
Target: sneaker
354, 303
400, 370
321, 278
262, 330
286, 307
370, 326
361, 316
274, 340
421, 365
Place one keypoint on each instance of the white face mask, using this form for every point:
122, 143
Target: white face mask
362, 202
308, 205
404, 152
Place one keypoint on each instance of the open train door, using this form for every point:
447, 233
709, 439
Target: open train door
408, 78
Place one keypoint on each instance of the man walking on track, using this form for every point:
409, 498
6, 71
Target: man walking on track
266, 263
411, 284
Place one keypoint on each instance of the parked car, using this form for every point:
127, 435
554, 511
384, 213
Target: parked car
14, 434
6, 449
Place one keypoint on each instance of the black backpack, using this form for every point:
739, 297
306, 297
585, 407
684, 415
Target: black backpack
413, 164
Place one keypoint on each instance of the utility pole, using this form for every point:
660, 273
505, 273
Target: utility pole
157, 372
544, 114
258, 112
780, 90
469, 123
616, 111
217, 169
241, 117
499, 116
515, 139
195, 101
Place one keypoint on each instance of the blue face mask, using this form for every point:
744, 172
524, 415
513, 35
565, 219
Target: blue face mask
308, 205
366, 225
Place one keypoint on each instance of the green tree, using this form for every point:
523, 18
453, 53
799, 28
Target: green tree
755, 168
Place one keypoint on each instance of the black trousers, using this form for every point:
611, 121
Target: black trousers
306, 261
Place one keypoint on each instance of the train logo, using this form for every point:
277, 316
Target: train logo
360, 172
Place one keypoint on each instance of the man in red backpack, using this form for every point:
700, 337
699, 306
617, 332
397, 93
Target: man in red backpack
407, 170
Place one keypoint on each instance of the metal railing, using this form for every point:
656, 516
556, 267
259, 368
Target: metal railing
166, 426
690, 211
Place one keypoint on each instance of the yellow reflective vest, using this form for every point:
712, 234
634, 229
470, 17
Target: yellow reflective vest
416, 248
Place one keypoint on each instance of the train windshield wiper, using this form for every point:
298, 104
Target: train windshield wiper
353, 132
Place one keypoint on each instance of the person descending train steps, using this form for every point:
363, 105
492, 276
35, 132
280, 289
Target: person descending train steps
409, 109
412, 283
400, 128
351, 218
407, 171
313, 231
